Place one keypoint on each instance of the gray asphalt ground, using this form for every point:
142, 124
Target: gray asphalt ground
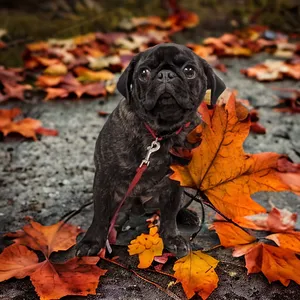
48, 178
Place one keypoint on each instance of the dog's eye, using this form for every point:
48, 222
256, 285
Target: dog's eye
189, 72
145, 75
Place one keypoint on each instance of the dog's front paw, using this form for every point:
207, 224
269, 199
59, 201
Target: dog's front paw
88, 247
177, 245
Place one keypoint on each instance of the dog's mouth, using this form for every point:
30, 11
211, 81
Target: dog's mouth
167, 108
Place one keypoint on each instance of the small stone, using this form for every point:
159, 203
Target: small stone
66, 182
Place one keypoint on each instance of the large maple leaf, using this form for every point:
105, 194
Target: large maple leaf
223, 172
77, 276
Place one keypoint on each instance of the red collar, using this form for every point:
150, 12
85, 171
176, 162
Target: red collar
153, 133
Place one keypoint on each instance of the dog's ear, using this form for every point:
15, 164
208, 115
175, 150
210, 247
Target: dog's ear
125, 80
214, 83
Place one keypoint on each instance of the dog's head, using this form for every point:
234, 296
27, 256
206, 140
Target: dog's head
166, 83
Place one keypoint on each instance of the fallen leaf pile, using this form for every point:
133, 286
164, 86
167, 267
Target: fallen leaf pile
272, 70
82, 66
252, 40
27, 127
85, 65
77, 276
276, 262
177, 21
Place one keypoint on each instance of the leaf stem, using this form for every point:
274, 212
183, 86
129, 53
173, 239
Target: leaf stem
71, 214
204, 200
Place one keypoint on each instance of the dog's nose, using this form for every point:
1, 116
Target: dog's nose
166, 75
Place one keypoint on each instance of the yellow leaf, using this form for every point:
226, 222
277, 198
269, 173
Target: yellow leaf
196, 274
84, 39
147, 246
89, 75
57, 69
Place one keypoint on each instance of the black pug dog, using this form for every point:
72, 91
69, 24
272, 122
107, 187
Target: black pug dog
163, 87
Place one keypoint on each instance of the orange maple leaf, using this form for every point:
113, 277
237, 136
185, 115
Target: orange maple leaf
276, 263
147, 246
196, 272
48, 80
53, 93
47, 239
202, 51
77, 276
38, 46
289, 240
27, 127
6, 115
220, 168
231, 235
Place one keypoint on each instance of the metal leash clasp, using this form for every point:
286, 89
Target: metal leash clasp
155, 146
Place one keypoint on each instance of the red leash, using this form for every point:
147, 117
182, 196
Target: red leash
155, 146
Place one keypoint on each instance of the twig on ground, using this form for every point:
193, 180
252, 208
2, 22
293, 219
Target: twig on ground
161, 272
168, 292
